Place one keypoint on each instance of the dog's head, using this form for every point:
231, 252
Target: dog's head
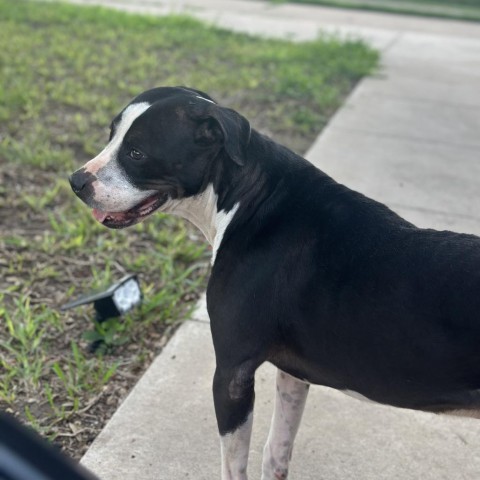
164, 145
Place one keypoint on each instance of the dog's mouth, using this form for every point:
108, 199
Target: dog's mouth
132, 216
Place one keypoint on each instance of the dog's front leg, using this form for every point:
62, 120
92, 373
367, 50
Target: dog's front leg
233, 392
289, 404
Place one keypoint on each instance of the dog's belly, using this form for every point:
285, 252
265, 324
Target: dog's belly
473, 412
461, 404
395, 392
297, 366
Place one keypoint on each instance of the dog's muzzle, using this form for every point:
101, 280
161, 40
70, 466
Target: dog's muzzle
81, 183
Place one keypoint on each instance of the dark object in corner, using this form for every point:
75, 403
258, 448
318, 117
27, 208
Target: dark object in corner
24, 455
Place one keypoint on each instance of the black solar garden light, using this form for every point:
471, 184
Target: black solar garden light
117, 300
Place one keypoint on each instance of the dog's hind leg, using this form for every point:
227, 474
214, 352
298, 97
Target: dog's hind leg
289, 404
233, 393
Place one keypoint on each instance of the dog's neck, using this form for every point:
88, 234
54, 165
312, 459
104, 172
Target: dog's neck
212, 210
202, 211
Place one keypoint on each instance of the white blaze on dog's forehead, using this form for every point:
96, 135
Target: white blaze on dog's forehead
114, 192
206, 99
129, 115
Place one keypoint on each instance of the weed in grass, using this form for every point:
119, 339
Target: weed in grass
79, 373
8, 380
25, 330
108, 334
75, 375
32, 420
46, 200
58, 410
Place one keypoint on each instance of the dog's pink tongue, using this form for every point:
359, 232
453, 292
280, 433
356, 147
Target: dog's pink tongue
99, 215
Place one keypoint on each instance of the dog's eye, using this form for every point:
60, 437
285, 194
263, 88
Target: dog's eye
136, 154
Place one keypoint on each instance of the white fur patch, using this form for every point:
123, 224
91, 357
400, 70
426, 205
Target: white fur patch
206, 99
290, 399
235, 447
202, 211
129, 115
222, 220
113, 190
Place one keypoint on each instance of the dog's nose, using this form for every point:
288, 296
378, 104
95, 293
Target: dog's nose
79, 179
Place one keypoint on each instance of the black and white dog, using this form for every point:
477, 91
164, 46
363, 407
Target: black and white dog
331, 287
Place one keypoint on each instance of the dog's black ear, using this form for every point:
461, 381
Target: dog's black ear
236, 132
219, 124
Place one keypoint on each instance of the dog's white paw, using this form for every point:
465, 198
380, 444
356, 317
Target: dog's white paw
273, 469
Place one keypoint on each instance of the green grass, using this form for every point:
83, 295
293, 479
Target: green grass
456, 10
65, 71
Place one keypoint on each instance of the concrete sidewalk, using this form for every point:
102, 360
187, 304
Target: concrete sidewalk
408, 137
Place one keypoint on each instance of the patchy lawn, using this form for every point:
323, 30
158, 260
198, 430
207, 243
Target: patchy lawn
65, 72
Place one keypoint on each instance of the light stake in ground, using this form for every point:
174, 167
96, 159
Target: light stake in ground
115, 301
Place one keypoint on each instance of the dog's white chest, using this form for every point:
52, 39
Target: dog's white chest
202, 211
222, 220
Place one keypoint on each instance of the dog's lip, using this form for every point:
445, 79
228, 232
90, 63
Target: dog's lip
133, 215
